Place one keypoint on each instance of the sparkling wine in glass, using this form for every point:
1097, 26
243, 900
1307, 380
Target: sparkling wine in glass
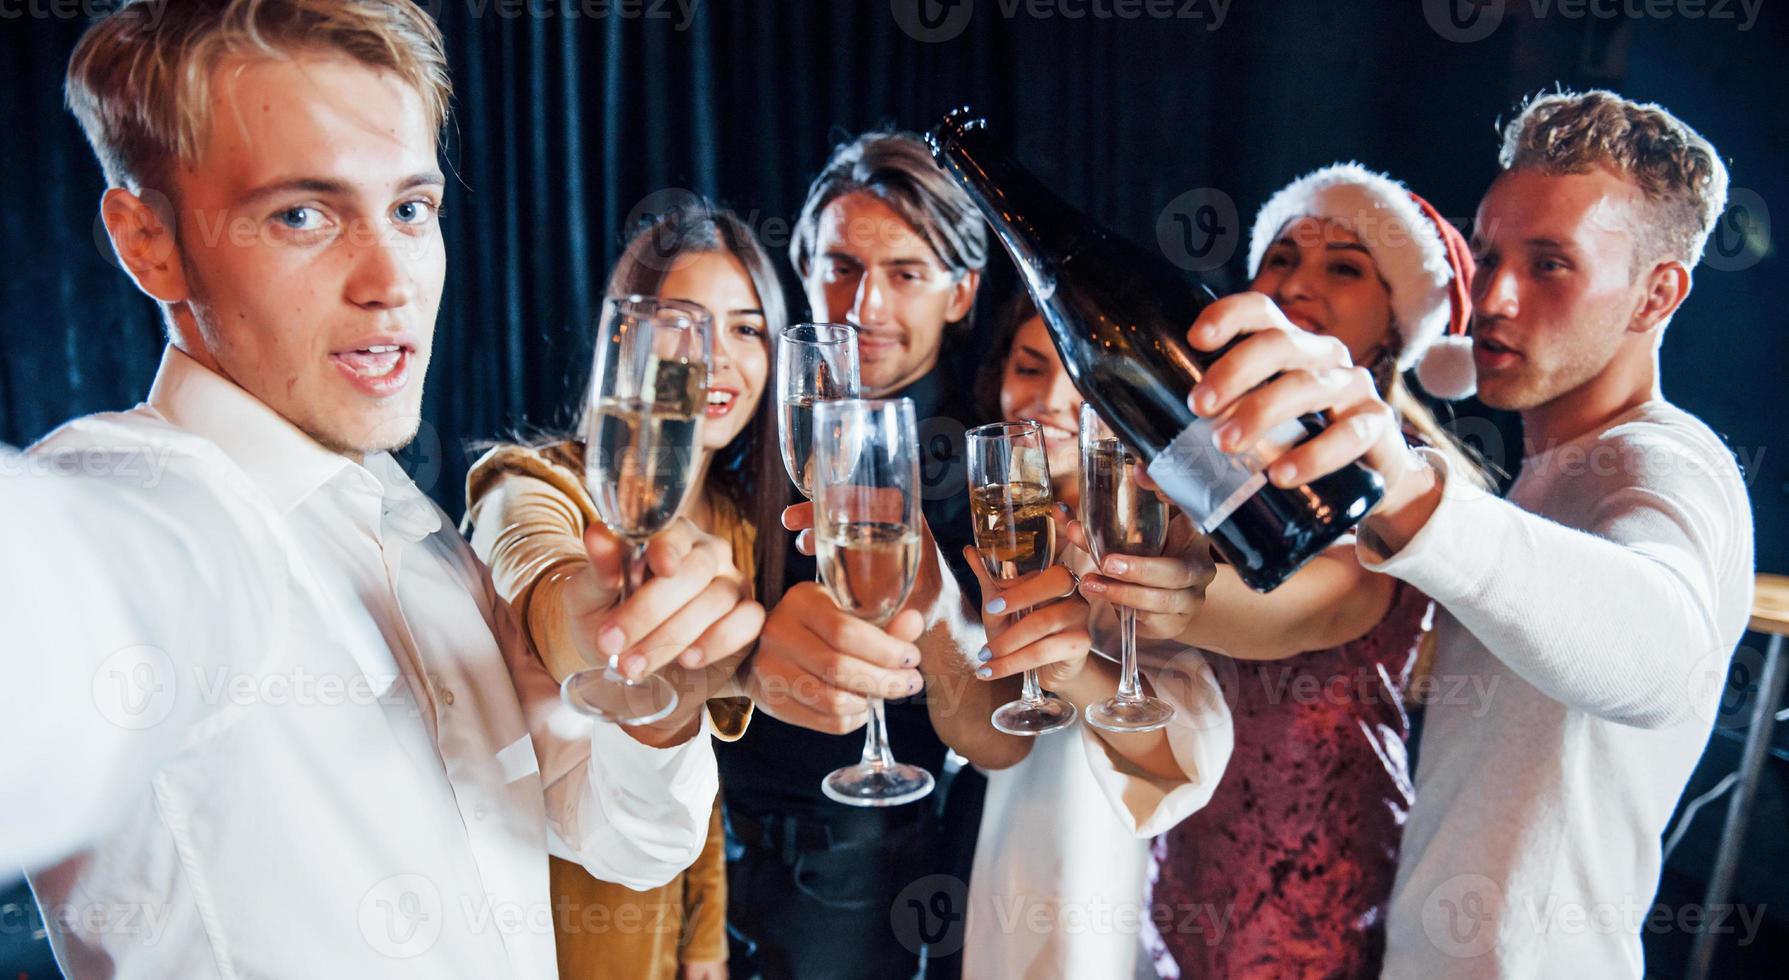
642, 444
1120, 518
1010, 501
866, 495
815, 362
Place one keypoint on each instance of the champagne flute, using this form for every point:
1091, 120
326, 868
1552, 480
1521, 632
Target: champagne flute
642, 443
1120, 518
815, 362
867, 539
1010, 500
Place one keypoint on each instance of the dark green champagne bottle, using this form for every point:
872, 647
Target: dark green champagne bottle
1118, 314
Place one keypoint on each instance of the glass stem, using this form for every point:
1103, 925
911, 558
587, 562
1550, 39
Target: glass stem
1129, 688
1029, 691
875, 738
633, 575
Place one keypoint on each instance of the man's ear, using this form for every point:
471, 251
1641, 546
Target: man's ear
1667, 285
142, 234
962, 296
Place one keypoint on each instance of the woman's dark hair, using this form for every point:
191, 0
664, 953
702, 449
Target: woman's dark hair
1013, 314
748, 471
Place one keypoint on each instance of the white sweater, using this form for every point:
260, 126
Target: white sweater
1589, 620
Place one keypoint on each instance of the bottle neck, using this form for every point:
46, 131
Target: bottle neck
1039, 229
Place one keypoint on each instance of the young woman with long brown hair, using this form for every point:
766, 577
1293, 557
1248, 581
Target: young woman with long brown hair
531, 514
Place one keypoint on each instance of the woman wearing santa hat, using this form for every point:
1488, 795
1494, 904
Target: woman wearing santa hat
1288, 869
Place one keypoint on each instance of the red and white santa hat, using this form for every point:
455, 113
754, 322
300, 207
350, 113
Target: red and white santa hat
1421, 256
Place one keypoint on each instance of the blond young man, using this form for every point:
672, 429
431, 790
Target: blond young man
1600, 602
312, 743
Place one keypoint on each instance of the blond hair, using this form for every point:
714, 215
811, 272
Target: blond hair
1678, 172
139, 80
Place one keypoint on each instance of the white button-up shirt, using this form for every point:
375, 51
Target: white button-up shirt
324, 747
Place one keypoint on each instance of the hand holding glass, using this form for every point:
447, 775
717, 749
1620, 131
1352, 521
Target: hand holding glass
867, 538
642, 443
1120, 518
1010, 500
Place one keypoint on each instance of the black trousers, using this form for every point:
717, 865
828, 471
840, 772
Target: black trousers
853, 897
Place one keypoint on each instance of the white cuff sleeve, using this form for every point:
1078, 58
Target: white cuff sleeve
634, 814
1432, 558
1200, 737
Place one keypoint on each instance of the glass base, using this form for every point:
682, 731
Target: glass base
1130, 716
870, 784
604, 693
1052, 714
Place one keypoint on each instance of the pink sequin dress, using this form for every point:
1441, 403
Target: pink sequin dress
1288, 870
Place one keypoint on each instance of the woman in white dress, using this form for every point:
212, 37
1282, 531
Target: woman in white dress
1058, 884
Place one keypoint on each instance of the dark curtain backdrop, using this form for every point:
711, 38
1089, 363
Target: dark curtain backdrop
567, 125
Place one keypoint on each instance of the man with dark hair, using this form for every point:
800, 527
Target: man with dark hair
1598, 606
887, 243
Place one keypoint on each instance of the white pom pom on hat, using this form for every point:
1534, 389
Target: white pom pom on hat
1421, 256
1446, 370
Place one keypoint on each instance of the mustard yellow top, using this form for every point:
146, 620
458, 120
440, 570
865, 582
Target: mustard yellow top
1770, 604
528, 509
